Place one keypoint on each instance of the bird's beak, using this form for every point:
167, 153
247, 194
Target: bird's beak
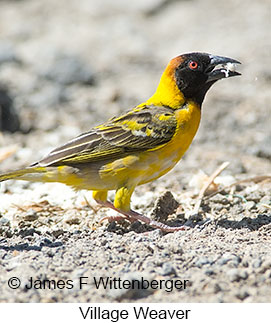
221, 67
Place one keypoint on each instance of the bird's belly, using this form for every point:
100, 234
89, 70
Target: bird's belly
162, 161
157, 169
139, 168
133, 170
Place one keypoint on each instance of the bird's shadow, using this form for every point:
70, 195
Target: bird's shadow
196, 221
253, 224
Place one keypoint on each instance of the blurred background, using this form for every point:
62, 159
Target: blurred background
68, 65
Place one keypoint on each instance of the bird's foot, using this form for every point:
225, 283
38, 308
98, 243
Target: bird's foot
133, 216
112, 218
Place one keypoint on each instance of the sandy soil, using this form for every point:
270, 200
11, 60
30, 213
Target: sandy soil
66, 66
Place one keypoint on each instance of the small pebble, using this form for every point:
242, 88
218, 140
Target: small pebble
250, 205
257, 263
242, 295
236, 274
168, 269
202, 261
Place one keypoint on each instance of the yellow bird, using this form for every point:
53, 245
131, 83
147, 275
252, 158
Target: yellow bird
140, 145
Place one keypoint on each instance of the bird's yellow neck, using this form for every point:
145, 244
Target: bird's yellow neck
167, 92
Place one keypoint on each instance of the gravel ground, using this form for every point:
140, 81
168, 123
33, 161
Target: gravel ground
66, 66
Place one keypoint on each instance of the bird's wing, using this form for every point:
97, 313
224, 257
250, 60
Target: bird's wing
141, 129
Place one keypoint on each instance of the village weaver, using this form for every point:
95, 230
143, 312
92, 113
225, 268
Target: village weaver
139, 146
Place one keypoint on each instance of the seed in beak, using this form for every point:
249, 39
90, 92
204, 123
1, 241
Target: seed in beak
227, 68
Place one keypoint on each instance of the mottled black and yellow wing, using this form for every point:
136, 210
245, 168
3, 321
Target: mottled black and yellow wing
141, 129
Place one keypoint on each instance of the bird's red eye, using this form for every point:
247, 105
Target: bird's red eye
193, 65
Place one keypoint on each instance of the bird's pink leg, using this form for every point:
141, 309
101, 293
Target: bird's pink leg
134, 216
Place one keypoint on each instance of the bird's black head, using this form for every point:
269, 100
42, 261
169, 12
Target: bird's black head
197, 72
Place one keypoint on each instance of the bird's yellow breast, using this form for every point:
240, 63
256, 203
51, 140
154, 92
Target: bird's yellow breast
166, 157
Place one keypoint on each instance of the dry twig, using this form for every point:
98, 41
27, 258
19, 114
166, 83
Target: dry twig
7, 151
255, 179
207, 184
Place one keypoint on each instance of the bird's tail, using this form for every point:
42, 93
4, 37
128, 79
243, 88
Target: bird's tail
62, 174
29, 174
